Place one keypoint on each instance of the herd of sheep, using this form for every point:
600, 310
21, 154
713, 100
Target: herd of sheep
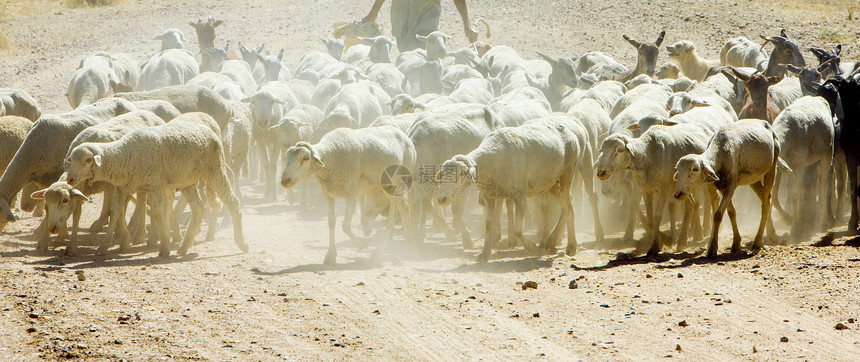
526, 136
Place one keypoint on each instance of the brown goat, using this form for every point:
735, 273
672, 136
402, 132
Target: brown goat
785, 51
206, 39
758, 103
646, 61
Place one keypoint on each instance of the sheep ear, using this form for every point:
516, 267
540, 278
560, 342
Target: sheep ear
218, 22
98, 160
158, 37
700, 103
660, 38
675, 176
439, 176
420, 37
791, 68
317, 161
77, 194
669, 122
365, 41
773, 80
710, 175
38, 195
69, 159
472, 173
301, 124
275, 127
633, 127
281, 55
417, 105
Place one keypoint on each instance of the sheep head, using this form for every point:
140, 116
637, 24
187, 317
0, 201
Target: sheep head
681, 49
171, 39
690, 172
302, 162
680, 102
403, 103
646, 55
434, 43
616, 154
81, 164
455, 175
289, 130
59, 204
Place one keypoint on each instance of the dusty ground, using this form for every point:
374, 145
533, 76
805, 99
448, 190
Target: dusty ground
429, 302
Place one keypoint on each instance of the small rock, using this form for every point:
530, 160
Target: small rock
604, 305
514, 316
376, 312
754, 349
801, 330
680, 275
359, 284
783, 339
840, 326
33, 315
683, 323
32, 330
530, 284
721, 263
678, 347
850, 320
116, 341
536, 315
648, 276
82, 277
573, 284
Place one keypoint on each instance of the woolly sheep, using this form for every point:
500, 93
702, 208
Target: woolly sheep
654, 92
387, 76
354, 105
16, 102
785, 92
62, 201
158, 160
651, 160
40, 157
545, 154
742, 153
239, 71
695, 68
805, 133
162, 109
237, 140
742, 52
90, 83
452, 130
299, 124
13, 131
349, 163
171, 39
601, 65
170, 67
187, 98
473, 91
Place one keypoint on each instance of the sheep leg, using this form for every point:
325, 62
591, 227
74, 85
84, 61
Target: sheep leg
777, 204
458, 205
736, 235
438, 214
419, 200
509, 208
363, 219
347, 222
173, 215
695, 219
177, 212
659, 202
690, 206
631, 217
490, 219
105, 213
763, 190
271, 193
331, 255
519, 219
212, 215
649, 215
72, 246
116, 204
161, 209
541, 219
718, 219
122, 227
43, 235
588, 183
839, 172
192, 195
138, 219
710, 208
567, 212
673, 226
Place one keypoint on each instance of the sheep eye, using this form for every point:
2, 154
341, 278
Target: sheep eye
89, 160
695, 169
65, 201
306, 158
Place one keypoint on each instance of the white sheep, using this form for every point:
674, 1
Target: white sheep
349, 163
604, 92
269, 104
273, 67
159, 160
13, 130
170, 67
742, 153
39, 160
171, 39
449, 131
240, 72
372, 50
473, 90
785, 92
545, 155
62, 201
187, 98
387, 76
654, 93
16, 102
299, 124
521, 105
162, 109
91, 81
695, 68
742, 52
651, 160
805, 133
237, 140
354, 105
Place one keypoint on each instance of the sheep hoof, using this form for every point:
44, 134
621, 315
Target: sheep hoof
570, 251
467, 244
70, 252
181, 251
330, 258
242, 246
654, 250
164, 253
712, 253
483, 257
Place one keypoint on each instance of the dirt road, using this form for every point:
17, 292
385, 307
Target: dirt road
428, 302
